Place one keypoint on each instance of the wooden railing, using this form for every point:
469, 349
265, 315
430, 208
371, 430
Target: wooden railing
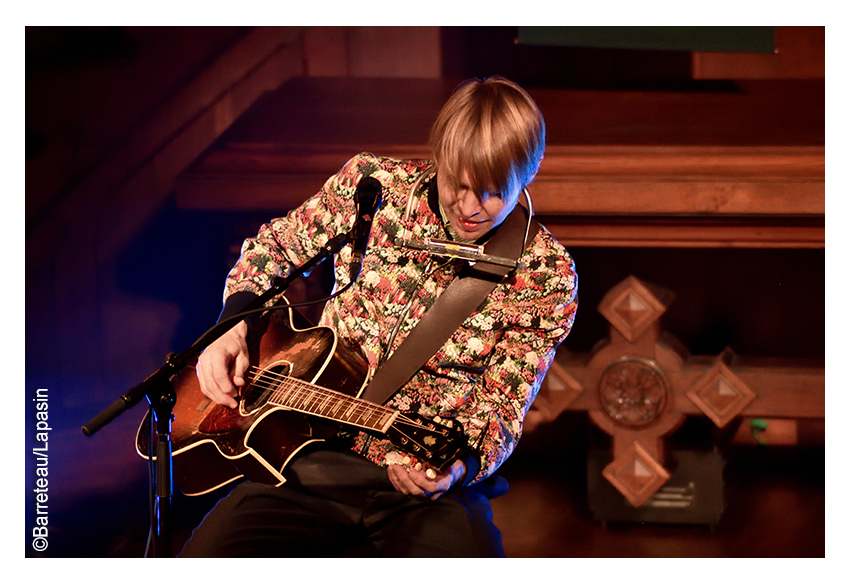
740, 168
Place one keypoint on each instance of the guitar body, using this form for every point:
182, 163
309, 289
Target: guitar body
213, 445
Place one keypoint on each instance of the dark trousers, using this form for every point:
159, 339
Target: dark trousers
337, 504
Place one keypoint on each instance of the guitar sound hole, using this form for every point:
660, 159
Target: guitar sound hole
263, 386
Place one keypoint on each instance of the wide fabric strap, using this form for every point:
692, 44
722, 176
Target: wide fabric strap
457, 302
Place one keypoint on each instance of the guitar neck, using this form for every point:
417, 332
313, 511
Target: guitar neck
298, 395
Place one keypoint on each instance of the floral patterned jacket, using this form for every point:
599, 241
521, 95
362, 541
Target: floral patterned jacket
489, 372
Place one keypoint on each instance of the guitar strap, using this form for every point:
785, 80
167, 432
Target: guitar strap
457, 302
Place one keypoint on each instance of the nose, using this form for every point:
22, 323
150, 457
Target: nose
469, 203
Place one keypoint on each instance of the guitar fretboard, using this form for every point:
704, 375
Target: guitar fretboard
301, 396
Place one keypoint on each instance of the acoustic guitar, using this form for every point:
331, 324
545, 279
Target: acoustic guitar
302, 387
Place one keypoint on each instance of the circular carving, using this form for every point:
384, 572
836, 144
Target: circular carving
633, 392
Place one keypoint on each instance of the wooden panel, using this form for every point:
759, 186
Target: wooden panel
680, 181
577, 180
687, 232
635, 197
686, 162
800, 53
618, 196
740, 165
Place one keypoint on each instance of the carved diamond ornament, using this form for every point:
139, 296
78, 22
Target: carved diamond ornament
636, 474
558, 391
720, 394
559, 379
631, 307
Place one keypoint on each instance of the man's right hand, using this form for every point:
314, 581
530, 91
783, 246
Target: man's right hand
221, 367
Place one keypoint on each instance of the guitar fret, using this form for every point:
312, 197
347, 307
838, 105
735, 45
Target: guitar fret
367, 416
318, 402
293, 397
336, 407
384, 419
371, 419
342, 410
347, 415
355, 413
308, 400
302, 396
323, 404
286, 387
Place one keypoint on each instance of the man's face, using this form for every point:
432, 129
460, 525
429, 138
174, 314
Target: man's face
473, 214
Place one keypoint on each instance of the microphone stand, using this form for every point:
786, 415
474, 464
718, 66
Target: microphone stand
159, 392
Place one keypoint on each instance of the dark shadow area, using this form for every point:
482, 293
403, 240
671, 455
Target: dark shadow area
750, 300
470, 51
774, 501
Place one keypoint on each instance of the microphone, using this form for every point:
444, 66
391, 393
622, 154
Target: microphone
367, 197
452, 249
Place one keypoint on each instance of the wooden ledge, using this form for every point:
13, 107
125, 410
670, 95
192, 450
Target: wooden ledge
743, 169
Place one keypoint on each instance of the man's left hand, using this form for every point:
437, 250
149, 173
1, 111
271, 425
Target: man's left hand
416, 484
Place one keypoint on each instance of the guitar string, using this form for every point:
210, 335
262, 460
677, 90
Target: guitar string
352, 415
269, 380
400, 419
357, 411
262, 374
281, 385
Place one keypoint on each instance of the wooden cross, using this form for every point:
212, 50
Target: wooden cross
641, 384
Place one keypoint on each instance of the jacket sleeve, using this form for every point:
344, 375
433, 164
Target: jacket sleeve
292, 240
538, 312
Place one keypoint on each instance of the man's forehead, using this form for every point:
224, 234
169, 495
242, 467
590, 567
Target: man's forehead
464, 178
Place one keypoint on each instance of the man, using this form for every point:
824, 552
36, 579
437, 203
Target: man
365, 495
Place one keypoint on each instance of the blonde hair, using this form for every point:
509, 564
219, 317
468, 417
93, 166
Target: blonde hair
494, 131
